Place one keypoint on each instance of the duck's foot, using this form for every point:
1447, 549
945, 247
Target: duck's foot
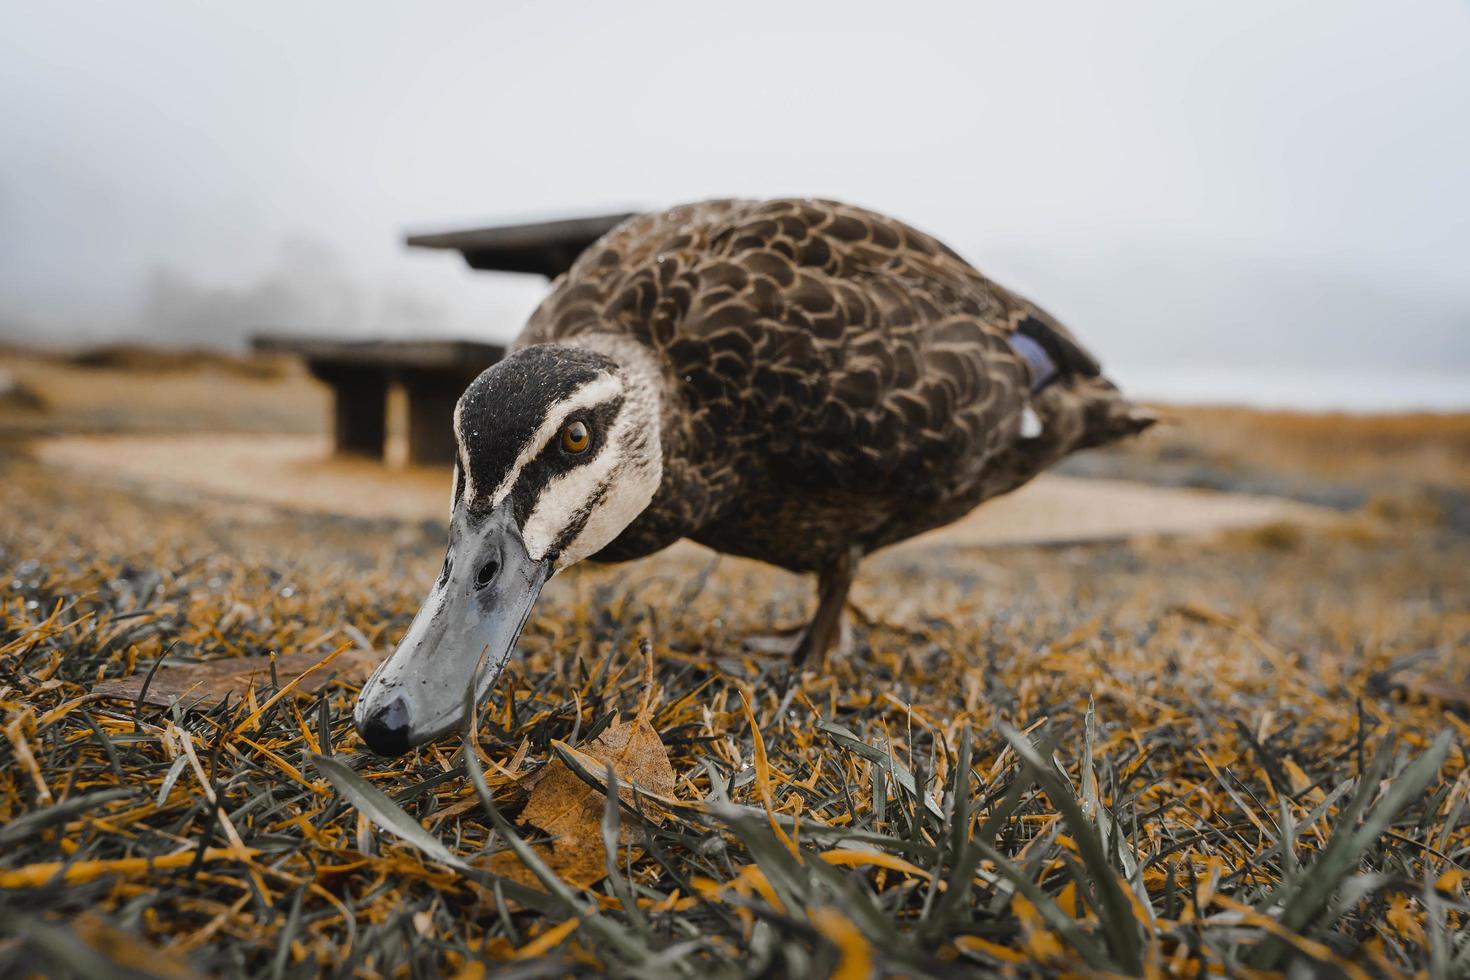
828, 628
777, 643
795, 642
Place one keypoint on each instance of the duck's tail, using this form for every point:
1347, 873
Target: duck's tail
1073, 414
1077, 406
1105, 414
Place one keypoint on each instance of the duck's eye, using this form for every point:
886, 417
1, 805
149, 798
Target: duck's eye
575, 437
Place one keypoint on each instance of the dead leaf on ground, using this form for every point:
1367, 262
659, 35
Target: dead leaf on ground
570, 811
204, 685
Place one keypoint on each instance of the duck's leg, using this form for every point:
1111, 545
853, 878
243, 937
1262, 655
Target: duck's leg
826, 627
833, 584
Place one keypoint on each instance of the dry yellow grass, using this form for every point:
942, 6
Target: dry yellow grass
1218, 771
1231, 686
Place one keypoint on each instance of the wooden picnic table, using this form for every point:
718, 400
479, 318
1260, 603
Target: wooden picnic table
433, 373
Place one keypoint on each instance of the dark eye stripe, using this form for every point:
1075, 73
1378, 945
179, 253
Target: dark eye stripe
554, 460
503, 409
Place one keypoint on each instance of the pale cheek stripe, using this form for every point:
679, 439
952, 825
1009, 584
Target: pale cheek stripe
564, 496
464, 455
590, 394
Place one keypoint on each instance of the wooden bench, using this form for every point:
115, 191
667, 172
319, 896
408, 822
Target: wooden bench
433, 373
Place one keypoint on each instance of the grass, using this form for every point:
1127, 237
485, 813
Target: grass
1125, 759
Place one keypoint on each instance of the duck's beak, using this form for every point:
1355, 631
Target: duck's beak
463, 634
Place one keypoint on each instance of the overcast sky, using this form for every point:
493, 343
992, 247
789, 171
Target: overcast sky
1282, 185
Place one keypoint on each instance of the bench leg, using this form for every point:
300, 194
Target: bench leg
361, 414
431, 402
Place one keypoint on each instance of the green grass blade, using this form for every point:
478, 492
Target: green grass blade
896, 770
36, 820
612, 826
1347, 846
1115, 910
377, 807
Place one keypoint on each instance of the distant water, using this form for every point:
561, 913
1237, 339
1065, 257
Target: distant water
1301, 389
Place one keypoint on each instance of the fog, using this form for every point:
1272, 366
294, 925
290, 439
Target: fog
1255, 184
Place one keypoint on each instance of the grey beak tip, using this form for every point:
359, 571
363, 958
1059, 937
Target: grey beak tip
386, 730
475, 611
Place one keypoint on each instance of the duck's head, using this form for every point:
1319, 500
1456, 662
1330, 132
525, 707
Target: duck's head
558, 452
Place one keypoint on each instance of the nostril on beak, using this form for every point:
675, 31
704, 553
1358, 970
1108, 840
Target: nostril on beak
386, 730
487, 573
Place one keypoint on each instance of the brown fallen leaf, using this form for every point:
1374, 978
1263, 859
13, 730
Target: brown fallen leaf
204, 685
570, 811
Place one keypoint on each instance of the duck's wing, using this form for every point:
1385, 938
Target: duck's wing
846, 348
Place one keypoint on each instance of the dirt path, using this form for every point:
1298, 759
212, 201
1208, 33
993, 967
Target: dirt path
296, 472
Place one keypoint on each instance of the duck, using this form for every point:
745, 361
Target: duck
798, 381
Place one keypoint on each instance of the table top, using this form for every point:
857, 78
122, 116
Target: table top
446, 355
545, 248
